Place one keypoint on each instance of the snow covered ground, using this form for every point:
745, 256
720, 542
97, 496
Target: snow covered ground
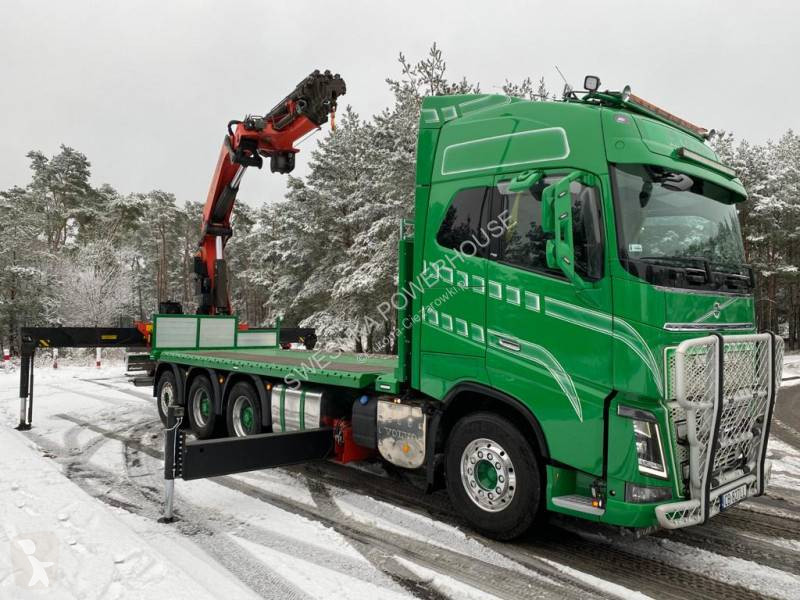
83, 490
791, 369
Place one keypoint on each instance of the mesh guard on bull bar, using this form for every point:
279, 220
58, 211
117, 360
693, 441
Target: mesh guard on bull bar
726, 385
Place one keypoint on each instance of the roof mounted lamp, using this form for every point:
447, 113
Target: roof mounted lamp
626, 93
591, 83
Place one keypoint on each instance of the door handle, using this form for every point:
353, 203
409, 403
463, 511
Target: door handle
509, 345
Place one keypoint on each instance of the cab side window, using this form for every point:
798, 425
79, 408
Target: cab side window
464, 218
524, 243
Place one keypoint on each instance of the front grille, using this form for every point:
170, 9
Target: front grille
719, 422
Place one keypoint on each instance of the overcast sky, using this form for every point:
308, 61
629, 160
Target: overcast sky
145, 89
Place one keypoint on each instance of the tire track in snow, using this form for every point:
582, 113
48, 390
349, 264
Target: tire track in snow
553, 541
253, 533
501, 582
430, 556
600, 559
98, 397
117, 388
146, 500
122, 491
724, 540
760, 522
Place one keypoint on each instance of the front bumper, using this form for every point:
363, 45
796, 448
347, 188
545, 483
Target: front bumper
724, 390
686, 513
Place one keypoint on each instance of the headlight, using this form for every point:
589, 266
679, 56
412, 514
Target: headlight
647, 438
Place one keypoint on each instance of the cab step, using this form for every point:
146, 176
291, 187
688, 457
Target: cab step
578, 503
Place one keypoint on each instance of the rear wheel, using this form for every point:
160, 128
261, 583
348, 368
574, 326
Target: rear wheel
243, 410
310, 341
200, 407
493, 476
166, 394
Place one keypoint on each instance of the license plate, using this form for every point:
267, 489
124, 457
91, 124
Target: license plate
728, 499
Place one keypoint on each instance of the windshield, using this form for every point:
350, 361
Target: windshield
671, 218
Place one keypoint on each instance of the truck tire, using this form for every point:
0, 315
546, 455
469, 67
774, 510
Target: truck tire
310, 341
493, 476
166, 392
200, 407
243, 410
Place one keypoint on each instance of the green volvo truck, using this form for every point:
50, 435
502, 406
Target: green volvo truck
575, 331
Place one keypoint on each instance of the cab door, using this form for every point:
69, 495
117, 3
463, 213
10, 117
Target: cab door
453, 309
548, 341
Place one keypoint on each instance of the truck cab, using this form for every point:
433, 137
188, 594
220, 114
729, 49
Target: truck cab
580, 274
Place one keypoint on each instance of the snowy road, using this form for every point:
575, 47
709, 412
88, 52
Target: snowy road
90, 473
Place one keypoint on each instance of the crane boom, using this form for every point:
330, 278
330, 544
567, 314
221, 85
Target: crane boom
247, 143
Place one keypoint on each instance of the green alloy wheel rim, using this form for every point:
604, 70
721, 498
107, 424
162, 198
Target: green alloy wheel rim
201, 407
243, 416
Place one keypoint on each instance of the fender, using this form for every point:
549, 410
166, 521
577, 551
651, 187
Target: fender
258, 383
179, 381
492, 393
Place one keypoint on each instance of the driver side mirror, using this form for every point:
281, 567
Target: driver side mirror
557, 220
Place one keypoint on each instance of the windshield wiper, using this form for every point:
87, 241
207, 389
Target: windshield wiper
731, 272
690, 259
671, 258
706, 270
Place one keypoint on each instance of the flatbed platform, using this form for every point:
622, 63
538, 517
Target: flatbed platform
332, 368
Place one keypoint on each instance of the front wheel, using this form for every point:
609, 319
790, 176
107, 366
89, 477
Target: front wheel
493, 476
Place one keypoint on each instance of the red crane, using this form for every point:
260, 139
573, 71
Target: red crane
247, 143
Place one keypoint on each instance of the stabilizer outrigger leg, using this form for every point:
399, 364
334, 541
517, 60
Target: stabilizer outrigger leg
199, 459
64, 337
26, 392
174, 440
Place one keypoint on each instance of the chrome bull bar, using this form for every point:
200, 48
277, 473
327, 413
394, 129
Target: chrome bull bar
725, 388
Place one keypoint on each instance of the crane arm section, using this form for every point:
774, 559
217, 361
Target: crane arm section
247, 144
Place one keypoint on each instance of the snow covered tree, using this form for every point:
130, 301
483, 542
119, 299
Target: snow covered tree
770, 222
23, 266
60, 192
327, 255
338, 231
92, 286
525, 89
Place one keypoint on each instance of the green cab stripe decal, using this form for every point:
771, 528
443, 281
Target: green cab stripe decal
628, 335
600, 322
541, 356
613, 326
528, 350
